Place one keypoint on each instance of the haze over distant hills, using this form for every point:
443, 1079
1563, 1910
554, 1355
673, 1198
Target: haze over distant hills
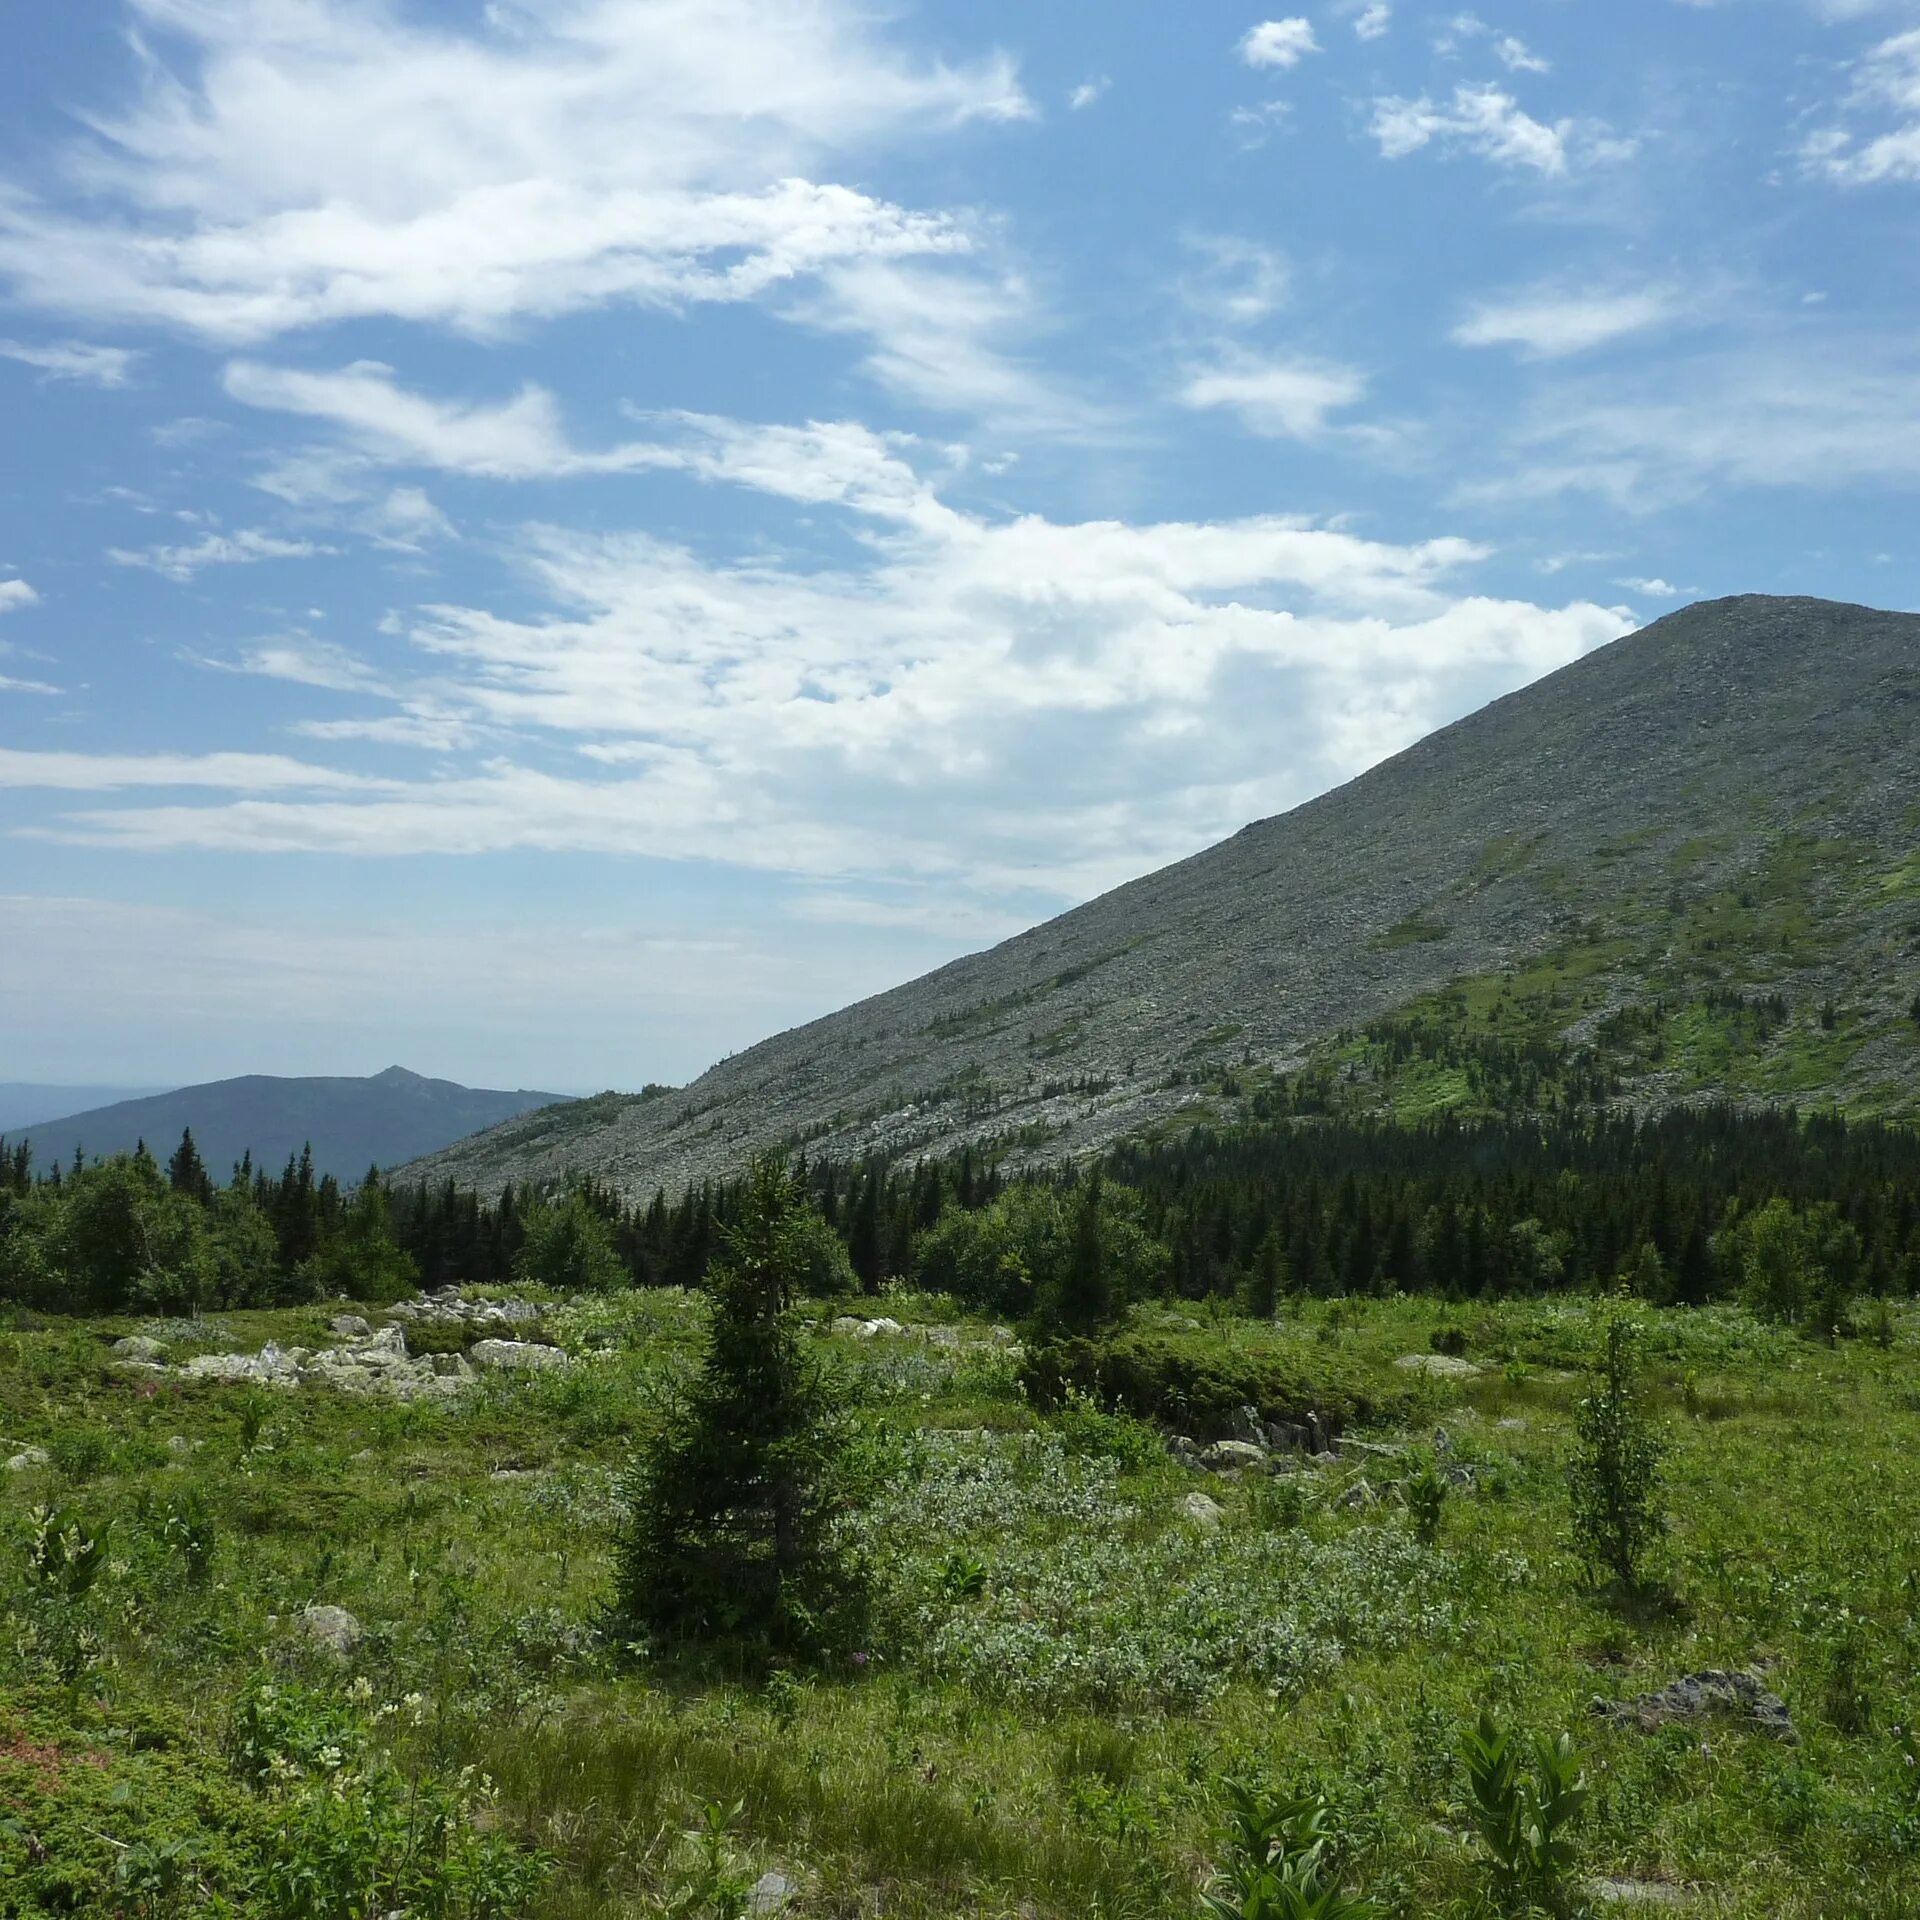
24, 1103
1687, 865
351, 1123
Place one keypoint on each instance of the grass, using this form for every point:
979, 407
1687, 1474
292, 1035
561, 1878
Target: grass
1048, 1738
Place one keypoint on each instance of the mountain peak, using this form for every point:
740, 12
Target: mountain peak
1687, 859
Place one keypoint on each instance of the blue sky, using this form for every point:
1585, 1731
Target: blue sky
548, 540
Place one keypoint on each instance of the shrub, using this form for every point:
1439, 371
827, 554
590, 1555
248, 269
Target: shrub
729, 1514
1615, 1476
569, 1247
1198, 1381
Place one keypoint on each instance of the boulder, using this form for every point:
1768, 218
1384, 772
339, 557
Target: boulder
389, 1343
1202, 1511
769, 1894
1287, 1436
1246, 1425
349, 1326
141, 1350
28, 1458
1444, 1366
333, 1629
523, 1356
1234, 1456
1637, 1893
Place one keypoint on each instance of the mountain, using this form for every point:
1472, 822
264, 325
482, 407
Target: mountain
352, 1123
1686, 865
23, 1103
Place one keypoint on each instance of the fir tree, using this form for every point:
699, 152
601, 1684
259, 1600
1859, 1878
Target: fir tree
729, 1514
185, 1171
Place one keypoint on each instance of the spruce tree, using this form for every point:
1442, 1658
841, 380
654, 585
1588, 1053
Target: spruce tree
185, 1171
729, 1513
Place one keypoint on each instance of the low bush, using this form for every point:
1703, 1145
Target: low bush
1197, 1381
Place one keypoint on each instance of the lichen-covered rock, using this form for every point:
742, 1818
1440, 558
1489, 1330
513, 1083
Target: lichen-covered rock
140, 1349
27, 1459
524, 1356
1443, 1366
1234, 1456
1202, 1511
1696, 1695
332, 1629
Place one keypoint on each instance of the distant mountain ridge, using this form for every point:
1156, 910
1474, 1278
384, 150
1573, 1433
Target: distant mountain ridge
351, 1123
1686, 866
25, 1103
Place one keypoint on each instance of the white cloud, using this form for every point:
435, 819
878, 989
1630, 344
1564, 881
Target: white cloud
1512, 52
10, 685
1886, 85
15, 594
1373, 21
74, 360
1237, 282
994, 704
408, 521
1824, 412
1659, 589
299, 164
1548, 323
1087, 92
215, 550
231, 772
1487, 121
1287, 399
1278, 43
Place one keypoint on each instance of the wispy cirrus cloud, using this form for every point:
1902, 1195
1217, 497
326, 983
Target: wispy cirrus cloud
74, 360
1284, 398
248, 547
1551, 322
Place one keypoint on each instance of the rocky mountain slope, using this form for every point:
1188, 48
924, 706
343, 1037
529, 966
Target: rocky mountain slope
1687, 864
352, 1123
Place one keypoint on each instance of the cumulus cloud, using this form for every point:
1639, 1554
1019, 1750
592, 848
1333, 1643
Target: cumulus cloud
1548, 323
1487, 121
1372, 21
1278, 43
993, 703
15, 594
1286, 399
1087, 92
293, 165
74, 360
245, 548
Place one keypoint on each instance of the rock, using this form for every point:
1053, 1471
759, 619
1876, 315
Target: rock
28, 1458
943, 1336
450, 1366
349, 1326
1246, 1425
1202, 1511
1445, 1366
1637, 1893
1358, 1495
1442, 1441
1287, 1435
770, 1893
332, 1628
1231, 1456
1697, 1695
1185, 1449
1345, 1449
138, 1348
1512, 1424
389, 1341
180, 1446
523, 1356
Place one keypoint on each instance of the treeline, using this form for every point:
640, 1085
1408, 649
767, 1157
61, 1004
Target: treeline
1456, 1209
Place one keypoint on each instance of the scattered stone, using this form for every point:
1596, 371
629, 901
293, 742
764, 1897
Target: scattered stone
1637, 1893
1345, 1449
1233, 1456
349, 1326
1697, 1695
524, 1356
1511, 1424
771, 1892
1445, 1366
332, 1628
28, 1458
180, 1446
1360, 1494
142, 1350
1202, 1511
